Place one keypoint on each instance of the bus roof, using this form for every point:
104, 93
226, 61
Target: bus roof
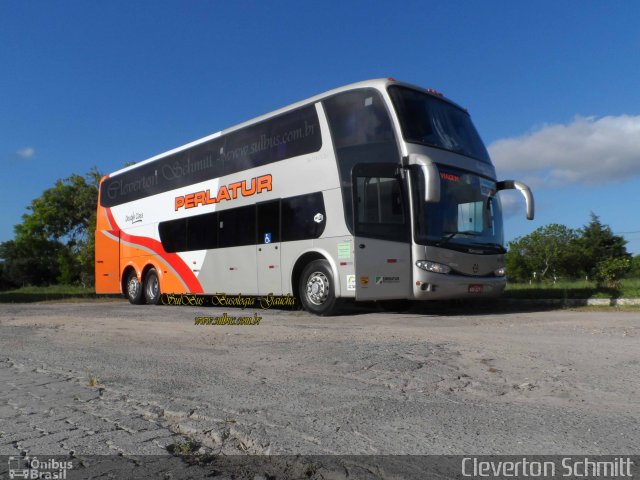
378, 83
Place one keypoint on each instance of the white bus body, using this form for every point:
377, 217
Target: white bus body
375, 191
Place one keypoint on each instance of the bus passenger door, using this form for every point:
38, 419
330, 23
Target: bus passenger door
382, 233
268, 248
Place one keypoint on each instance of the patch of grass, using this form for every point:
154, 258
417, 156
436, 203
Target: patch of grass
607, 308
93, 381
43, 294
629, 288
183, 448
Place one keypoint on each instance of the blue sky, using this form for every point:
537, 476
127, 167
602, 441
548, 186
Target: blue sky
553, 87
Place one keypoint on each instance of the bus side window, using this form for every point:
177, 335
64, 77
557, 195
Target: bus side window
173, 235
268, 230
362, 132
380, 200
202, 233
379, 210
303, 217
237, 227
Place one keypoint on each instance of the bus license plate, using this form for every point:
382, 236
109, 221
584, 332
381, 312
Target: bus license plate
475, 288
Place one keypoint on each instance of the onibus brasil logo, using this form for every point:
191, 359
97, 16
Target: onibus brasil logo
34, 468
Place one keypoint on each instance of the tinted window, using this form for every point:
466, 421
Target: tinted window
244, 149
173, 235
358, 117
202, 232
303, 217
185, 234
469, 213
429, 120
379, 201
379, 208
361, 131
285, 136
237, 227
269, 222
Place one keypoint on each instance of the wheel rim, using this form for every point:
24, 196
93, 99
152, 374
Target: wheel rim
317, 288
152, 287
132, 287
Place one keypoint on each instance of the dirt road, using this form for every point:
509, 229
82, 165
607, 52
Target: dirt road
555, 382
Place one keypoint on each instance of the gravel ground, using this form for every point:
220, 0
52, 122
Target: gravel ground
366, 383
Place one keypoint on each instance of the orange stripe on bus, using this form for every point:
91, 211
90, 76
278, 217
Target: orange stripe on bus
172, 259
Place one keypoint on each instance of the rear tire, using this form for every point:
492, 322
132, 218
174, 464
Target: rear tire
133, 289
152, 287
317, 289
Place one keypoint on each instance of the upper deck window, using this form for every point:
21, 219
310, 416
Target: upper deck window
358, 117
285, 136
429, 120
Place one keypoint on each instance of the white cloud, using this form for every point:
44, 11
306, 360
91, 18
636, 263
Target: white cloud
26, 152
587, 151
512, 202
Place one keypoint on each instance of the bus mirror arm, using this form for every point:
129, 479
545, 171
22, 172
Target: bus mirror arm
524, 190
431, 177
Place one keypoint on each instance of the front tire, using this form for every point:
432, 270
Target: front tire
317, 289
133, 289
152, 287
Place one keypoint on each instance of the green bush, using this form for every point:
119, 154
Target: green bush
609, 272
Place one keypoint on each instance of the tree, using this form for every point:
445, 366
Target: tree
4, 284
610, 271
54, 242
62, 211
634, 272
555, 250
547, 252
32, 262
597, 243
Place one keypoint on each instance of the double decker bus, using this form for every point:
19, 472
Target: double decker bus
379, 190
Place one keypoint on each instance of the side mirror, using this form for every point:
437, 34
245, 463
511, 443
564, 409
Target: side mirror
524, 190
431, 177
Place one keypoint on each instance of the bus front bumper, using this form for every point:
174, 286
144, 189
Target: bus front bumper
439, 286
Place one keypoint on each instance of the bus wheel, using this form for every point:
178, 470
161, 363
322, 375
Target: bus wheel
317, 289
134, 289
152, 287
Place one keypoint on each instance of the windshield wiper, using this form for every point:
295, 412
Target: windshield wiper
447, 238
497, 246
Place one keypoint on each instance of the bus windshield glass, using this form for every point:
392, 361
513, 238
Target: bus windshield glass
429, 120
468, 216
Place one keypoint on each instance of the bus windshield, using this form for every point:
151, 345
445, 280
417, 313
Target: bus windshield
468, 216
429, 120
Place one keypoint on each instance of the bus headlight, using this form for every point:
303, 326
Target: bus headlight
433, 266
500, 272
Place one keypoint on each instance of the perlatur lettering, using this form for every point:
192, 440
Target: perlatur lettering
225, 192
